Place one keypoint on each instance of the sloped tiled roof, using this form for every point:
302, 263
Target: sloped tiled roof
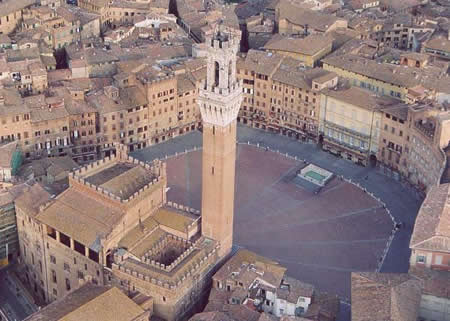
249, 266
385, 296
11, 6
81, 217
211, 316
32, 199
262, 62
302, 16
434, 282
90, 302
361, 97
309, 45
432, 227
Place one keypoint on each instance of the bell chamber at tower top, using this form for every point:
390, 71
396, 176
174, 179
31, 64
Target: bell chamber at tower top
222, 46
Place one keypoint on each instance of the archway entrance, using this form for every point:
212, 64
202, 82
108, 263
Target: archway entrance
320, 141
109, 260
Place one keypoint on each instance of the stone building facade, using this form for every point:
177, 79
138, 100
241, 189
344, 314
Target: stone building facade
11, 14
350, 123
39, 124
148, 107
393, 149
119, 12
137, 109
9, 241
400, 34
280, 95
412, 142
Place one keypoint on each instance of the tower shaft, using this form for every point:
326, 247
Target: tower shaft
219, 158
219, 100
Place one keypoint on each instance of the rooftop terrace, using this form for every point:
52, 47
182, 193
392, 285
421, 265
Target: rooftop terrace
109, 173
120, 177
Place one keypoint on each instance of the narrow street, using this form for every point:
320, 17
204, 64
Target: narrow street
14, 304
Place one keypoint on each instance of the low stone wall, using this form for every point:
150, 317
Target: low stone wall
311, 167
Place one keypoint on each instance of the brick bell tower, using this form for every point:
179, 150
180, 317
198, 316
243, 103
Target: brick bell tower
219, 99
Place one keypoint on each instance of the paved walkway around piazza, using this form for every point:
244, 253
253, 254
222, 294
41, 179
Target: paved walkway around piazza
320, 238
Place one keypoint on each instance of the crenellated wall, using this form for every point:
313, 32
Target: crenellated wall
183, 208
192, 229
195, 266
171, 299
78, 177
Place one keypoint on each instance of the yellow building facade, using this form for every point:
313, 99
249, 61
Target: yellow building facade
370, 83
349, 124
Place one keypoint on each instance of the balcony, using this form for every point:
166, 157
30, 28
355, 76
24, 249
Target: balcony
346, 130
346, 145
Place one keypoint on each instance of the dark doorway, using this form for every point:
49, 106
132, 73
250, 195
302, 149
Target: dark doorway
320, 141
109, 260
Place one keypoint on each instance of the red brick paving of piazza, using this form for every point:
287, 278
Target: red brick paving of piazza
319, 238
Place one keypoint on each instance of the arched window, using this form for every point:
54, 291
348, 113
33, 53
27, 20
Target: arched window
216, 74
230, 71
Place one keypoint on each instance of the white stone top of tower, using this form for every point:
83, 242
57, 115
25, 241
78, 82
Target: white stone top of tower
220, 110
221, 94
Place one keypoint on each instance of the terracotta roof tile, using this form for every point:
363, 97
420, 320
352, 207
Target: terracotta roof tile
211, 316
431, 77
361, 97
90, 302
309, 45
11, 6
262, 62
432, 227
434, 282
302, 16
81, 217
246, 266
291, 289
385, 296
32, 199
